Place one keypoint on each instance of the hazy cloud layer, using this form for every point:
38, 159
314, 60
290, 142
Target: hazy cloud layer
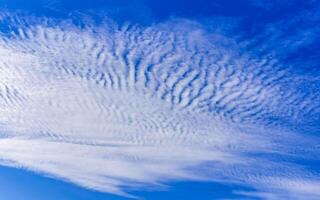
110, 107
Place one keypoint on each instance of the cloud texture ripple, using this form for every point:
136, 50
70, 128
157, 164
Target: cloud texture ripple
111, 106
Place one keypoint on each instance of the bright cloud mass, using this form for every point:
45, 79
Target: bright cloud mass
113, 106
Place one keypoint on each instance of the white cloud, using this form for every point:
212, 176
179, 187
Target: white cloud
110, 107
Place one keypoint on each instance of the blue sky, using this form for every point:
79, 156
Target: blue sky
159, 99
19, 185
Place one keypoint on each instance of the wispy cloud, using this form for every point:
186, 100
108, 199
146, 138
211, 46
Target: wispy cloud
110, 107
